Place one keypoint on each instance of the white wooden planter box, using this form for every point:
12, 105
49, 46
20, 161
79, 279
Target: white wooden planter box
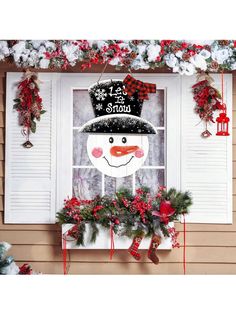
103, 241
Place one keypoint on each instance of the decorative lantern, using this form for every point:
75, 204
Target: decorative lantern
223, 123
223, 120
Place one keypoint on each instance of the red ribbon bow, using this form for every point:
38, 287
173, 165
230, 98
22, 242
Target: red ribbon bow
112, 249
165, 212
132, 85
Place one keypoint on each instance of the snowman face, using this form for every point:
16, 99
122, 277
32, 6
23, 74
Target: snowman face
117, 155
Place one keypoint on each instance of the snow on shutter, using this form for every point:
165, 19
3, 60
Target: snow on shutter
206, 163
30, 174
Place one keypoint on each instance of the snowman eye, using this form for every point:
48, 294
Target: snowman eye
111, 140
124, 140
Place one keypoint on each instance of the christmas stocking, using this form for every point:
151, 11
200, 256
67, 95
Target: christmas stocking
155, 242
133, 250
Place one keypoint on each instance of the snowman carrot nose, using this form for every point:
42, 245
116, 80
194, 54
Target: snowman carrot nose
119, 151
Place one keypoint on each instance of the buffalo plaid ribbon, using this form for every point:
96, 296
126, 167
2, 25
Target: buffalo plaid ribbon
132, 85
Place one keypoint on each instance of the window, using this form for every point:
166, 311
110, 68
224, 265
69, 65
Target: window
39, 179
82, 178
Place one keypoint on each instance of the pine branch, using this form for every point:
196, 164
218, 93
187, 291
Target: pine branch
94, 232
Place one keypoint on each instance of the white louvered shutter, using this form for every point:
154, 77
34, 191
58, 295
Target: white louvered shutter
206, 163
30, 186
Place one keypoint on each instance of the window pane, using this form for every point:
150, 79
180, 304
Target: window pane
114, 184
153, 109
151, 178
156, 154
86, 183
80, 156
82, 107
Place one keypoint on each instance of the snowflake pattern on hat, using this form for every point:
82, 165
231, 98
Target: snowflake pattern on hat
99, 106
100, 94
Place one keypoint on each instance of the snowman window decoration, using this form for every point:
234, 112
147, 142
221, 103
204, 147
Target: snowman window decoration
117, 144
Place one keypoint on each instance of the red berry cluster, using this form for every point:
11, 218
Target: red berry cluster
208, 100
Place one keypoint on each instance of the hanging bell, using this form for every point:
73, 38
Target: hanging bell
206, 134
27, 144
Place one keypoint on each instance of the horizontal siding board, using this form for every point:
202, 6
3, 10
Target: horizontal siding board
234, 117
1, 152
234, 169
234, 136
234, 97
2, 120
2, 169
234, 186
194, 255
107, 268
31, 237
54, 253
2, 140
1, 186
208, 227
234, 152
1, 208
133, 268
234, 203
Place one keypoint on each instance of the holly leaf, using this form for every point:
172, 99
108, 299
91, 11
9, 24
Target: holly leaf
42, 111
33, 126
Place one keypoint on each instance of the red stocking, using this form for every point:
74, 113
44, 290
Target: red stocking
133, 250
155, 242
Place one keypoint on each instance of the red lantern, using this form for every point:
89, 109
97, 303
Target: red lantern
222, 124
223, 120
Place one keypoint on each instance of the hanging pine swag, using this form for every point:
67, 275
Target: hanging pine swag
129, 215
29, 105
208, 100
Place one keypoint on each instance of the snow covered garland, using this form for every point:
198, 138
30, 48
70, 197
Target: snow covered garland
181, 56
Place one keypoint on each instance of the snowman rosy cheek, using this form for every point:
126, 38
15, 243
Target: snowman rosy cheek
139, 153
97, 152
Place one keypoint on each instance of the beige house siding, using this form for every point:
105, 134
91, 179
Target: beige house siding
211, 248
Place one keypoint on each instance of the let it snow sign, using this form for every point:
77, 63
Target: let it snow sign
117, 144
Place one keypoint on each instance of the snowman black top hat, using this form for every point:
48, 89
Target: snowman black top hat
115, 111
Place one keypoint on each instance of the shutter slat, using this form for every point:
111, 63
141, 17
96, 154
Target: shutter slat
30, 193
206, 162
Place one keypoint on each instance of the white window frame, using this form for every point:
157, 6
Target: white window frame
70, 82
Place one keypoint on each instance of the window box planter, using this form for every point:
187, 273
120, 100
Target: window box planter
103, 241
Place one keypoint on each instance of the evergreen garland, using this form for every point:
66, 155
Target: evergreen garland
130, 215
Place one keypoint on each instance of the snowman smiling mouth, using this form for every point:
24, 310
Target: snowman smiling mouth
119, 165
119, 151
